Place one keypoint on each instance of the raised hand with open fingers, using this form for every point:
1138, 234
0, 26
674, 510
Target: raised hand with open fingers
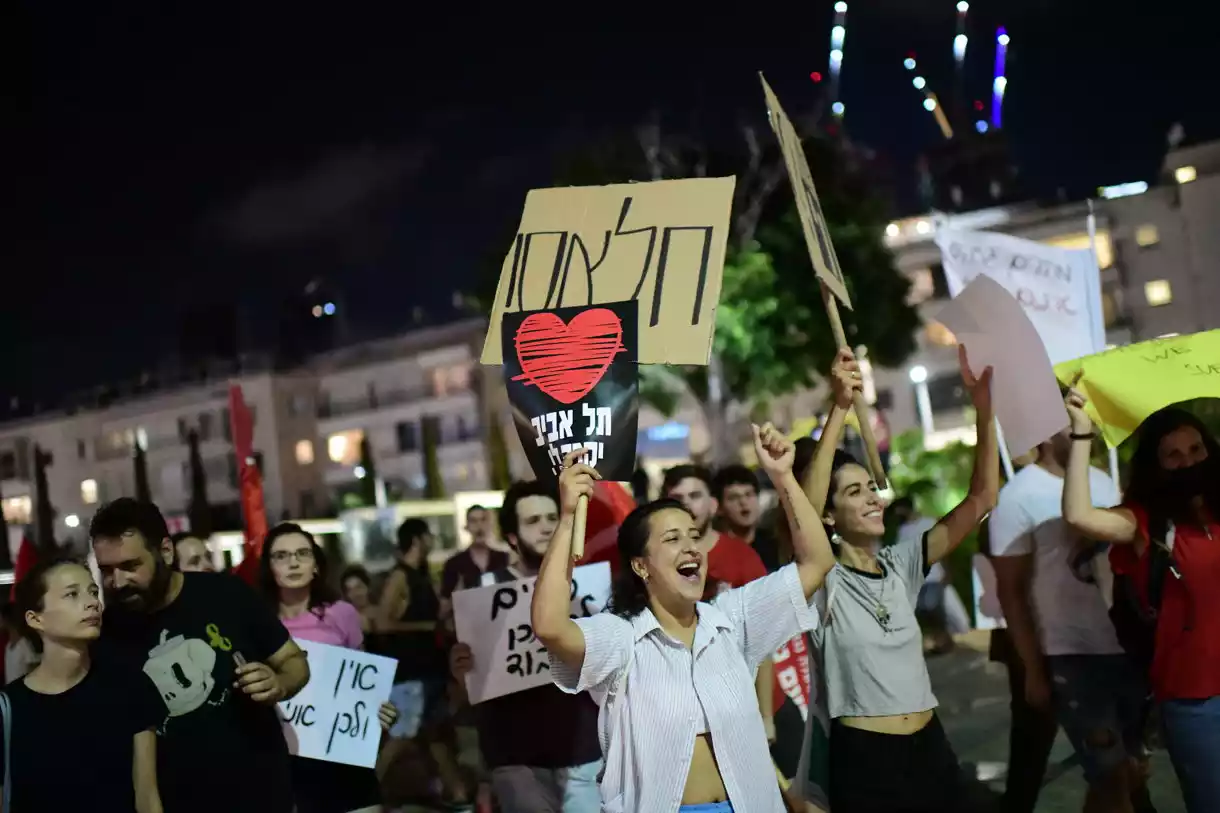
775, 452
575, 480
978, 386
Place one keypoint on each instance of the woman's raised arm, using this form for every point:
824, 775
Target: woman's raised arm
549, 609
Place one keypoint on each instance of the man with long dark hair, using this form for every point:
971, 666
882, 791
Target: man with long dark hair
217, 653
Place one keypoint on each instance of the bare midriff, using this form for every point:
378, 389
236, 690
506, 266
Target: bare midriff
893, 724
703, 782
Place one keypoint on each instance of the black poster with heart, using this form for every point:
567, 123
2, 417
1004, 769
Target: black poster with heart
573, 380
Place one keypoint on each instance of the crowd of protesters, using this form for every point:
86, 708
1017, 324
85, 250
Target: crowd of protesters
166, 700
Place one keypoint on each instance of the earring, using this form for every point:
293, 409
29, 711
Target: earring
835, 539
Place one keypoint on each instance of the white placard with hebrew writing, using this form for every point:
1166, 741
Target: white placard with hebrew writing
334, 718
1059, 288
494, 621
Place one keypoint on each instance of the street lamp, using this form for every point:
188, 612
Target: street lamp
923, 401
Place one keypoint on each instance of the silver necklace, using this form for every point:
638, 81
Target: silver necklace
879, 611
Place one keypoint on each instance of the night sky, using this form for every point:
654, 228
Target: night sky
164, 156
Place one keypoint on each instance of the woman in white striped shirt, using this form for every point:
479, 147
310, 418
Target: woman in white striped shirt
674, 677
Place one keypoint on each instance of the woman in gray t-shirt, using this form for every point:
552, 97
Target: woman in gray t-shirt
880, 698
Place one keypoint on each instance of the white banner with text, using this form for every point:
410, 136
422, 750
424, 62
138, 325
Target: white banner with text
494, 621
334, 718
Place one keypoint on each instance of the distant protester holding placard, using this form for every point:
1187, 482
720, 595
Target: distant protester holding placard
888, 750
540, 745
292, 575
674, 676
1166, 538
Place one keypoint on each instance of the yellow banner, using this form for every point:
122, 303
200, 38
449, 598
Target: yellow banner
1127, 384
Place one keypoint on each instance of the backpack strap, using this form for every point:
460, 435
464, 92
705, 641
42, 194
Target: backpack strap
1160, 564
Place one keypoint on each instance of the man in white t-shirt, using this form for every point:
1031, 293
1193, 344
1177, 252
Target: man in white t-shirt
1058, 618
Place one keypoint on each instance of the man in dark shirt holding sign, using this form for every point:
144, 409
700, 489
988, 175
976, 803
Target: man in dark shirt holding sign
539, 744
219, 657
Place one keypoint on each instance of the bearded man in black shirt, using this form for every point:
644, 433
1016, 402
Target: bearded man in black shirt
219, 657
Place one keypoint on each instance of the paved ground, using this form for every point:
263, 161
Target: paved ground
973, 695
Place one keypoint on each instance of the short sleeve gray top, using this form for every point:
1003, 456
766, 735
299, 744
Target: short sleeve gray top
871, 644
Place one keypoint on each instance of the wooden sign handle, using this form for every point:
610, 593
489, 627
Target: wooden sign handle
861, 408
578, 527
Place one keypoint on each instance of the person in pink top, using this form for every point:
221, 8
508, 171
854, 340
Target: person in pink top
292, 575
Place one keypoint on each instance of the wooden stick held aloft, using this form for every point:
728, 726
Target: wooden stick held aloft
578, 527
858, 405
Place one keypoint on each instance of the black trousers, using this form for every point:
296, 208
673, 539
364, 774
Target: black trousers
1031, 736
891, 773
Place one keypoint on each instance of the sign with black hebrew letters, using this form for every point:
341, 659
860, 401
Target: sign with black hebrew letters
494, 621
817, 234
573, 381
661, 244
334, 718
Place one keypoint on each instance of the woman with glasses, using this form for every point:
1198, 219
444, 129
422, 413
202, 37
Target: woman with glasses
292, 574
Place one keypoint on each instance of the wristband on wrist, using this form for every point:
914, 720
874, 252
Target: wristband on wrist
1083, 435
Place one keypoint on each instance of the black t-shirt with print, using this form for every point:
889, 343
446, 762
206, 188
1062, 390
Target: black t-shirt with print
79, 741
216, 748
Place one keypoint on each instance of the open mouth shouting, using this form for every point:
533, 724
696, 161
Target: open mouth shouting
690, 570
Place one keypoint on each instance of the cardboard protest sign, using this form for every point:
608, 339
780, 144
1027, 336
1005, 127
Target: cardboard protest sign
495, 622
996, 332
1059, 288
573, 380
817, 234
1127, 384
661, 244
334, 718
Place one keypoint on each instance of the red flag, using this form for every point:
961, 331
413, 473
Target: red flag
792, 674
250, 483
610, 505
26, 557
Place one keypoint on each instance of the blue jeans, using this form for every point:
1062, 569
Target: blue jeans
1192, 734
711, 807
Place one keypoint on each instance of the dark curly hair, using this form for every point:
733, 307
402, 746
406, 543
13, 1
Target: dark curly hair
321, 593
629, 594
803, 459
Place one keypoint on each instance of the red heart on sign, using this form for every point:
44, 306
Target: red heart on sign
567, 361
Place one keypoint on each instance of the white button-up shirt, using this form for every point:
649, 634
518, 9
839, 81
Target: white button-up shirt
659, 710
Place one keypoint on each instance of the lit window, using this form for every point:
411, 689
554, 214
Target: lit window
940, 335
1158, 292
892, 230
923, 227
88, 491
1184, 174
17, 510
1147, 235
304, 452
344, 447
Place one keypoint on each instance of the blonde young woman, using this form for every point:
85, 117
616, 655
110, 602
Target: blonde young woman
673, 676
888, 751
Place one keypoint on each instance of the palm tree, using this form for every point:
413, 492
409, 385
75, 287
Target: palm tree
140, 461
6, 556
44, 519
198, 512
434, 484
